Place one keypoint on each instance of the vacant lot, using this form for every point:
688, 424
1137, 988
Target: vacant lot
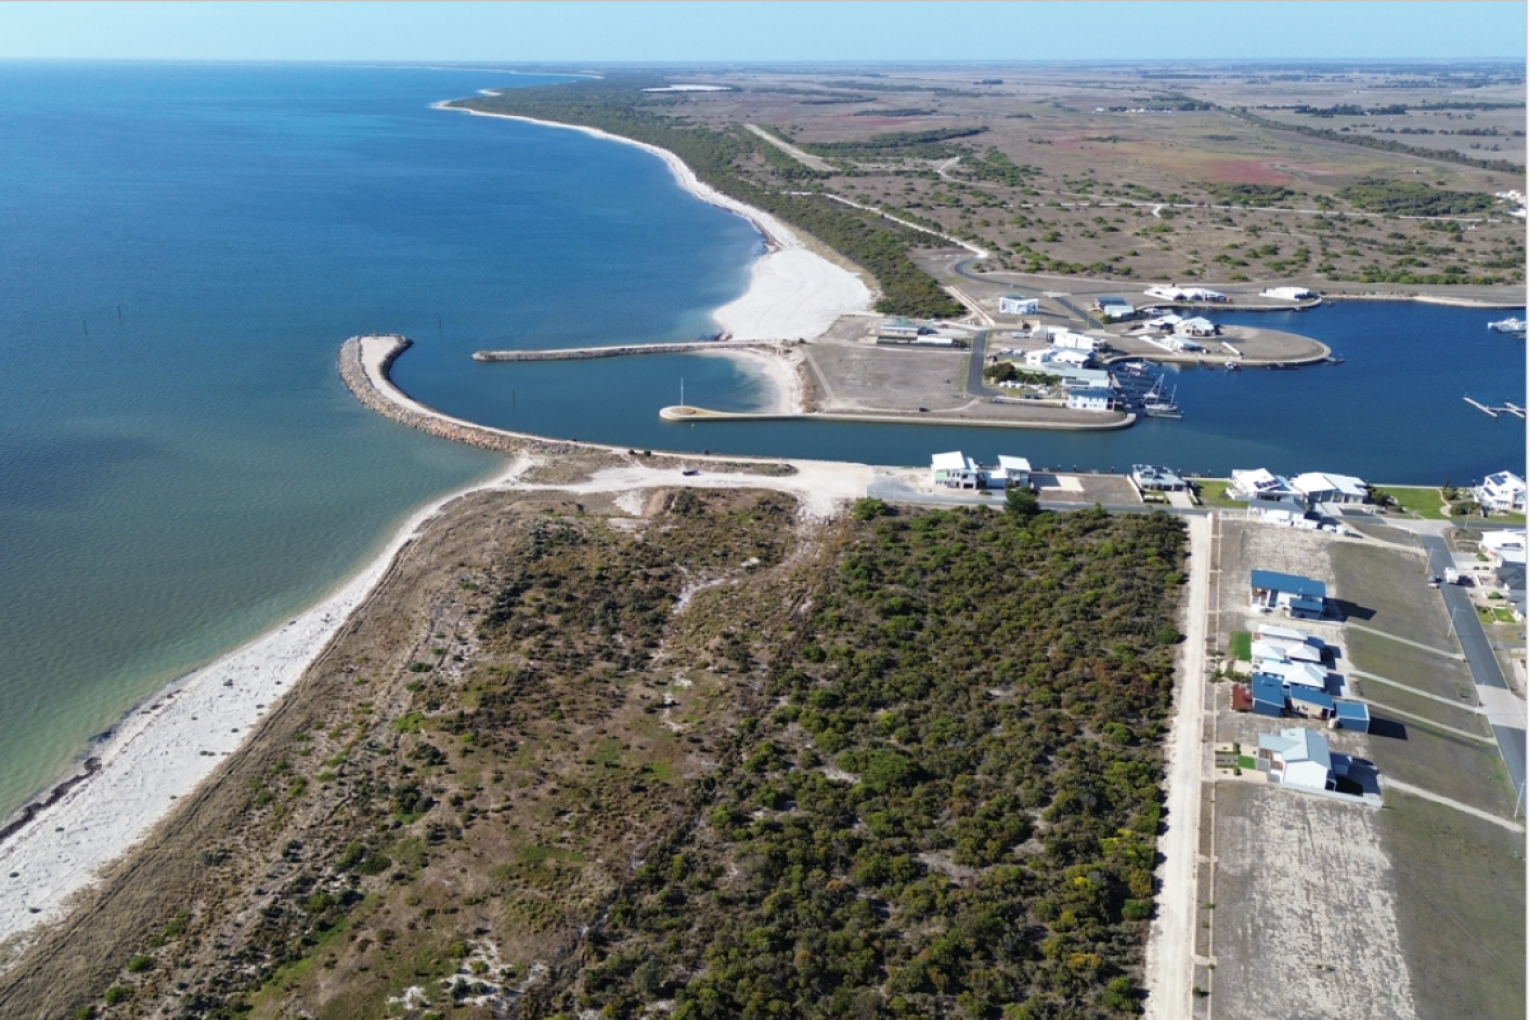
1389, 586
1460, 883
1305, 922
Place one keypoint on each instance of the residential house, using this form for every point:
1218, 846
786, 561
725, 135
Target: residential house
1311, 704
1059, 357
1014, 472
1321, 488
1175, 292
1300, 597
1150, 478
1299, 758
1295, 645
1501, 547
1504, 492
1017, 304
1092, 398
1261, 484
1197, 327
1076, 341
955, 470
1268, 696
1511, 581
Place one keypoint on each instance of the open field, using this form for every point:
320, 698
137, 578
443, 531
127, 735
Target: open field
1305, 917
1460, 882
1388, 590
1422, 502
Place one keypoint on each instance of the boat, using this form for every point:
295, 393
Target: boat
1509, 325
1155, 405
1279, 366
1231, 366
1334, 359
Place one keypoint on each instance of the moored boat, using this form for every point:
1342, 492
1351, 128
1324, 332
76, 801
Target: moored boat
1509, 325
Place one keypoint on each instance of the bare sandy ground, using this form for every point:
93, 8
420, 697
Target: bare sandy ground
793, 293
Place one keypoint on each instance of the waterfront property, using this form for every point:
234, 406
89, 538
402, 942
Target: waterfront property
1113, 309
1068, 339
1175, 292
1259, 483
956, 470
1288, 293
1196, 326
1301, 597
1501, 547
1017, 304
1300, 759
1504, 492
1151, 478
1061, 357
1320, 488
1092, 398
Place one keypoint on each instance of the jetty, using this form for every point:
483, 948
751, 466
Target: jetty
627, 350
1506, 408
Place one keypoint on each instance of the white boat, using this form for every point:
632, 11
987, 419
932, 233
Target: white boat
1510, 325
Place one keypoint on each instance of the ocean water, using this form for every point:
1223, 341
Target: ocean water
185, 247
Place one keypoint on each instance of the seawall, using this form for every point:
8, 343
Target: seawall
626, 350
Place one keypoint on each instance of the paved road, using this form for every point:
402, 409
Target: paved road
1479, 657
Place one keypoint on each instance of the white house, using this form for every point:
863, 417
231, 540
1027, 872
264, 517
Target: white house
1152, 478
1325, 488
1076, 341
1176, 292
1502, 547
1013, 472
1288, 293
1296, 645
1165, 322
898, 327
1259, 484
1060, 357
1504, 491
1197, 327
1299, 758
1091, 398
1017, 304
955, 470
1297, 674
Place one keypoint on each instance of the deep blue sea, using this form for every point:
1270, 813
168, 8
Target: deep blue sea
184, 247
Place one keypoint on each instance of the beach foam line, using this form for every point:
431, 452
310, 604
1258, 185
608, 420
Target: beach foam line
792, 293
163, 749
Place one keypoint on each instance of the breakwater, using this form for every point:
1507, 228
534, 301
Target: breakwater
693, 415
626, 350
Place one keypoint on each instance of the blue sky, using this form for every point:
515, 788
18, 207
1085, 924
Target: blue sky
763, 31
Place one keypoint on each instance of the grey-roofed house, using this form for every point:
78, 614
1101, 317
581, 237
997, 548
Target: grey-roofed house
1297, 758
1151, 478
1511, 580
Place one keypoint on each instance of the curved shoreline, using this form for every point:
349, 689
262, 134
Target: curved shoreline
792, 292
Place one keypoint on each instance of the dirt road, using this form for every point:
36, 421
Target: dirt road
1171, 941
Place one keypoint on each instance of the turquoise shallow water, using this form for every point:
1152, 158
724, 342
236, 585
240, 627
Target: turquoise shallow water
186, 246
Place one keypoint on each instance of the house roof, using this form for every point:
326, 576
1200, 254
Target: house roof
1091, 392
953, 461
1274, 580
1275, 632
1297, 744
1352, 710
1266, 688
1014, 463
1512, 576
1308, 696
1304, 674
1316, 481
1259, 480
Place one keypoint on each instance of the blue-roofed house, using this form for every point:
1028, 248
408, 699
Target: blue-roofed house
1300, 597
1313, 704
1352, 715
1269, 696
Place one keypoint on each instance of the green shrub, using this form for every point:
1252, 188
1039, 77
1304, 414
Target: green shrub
139, 963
